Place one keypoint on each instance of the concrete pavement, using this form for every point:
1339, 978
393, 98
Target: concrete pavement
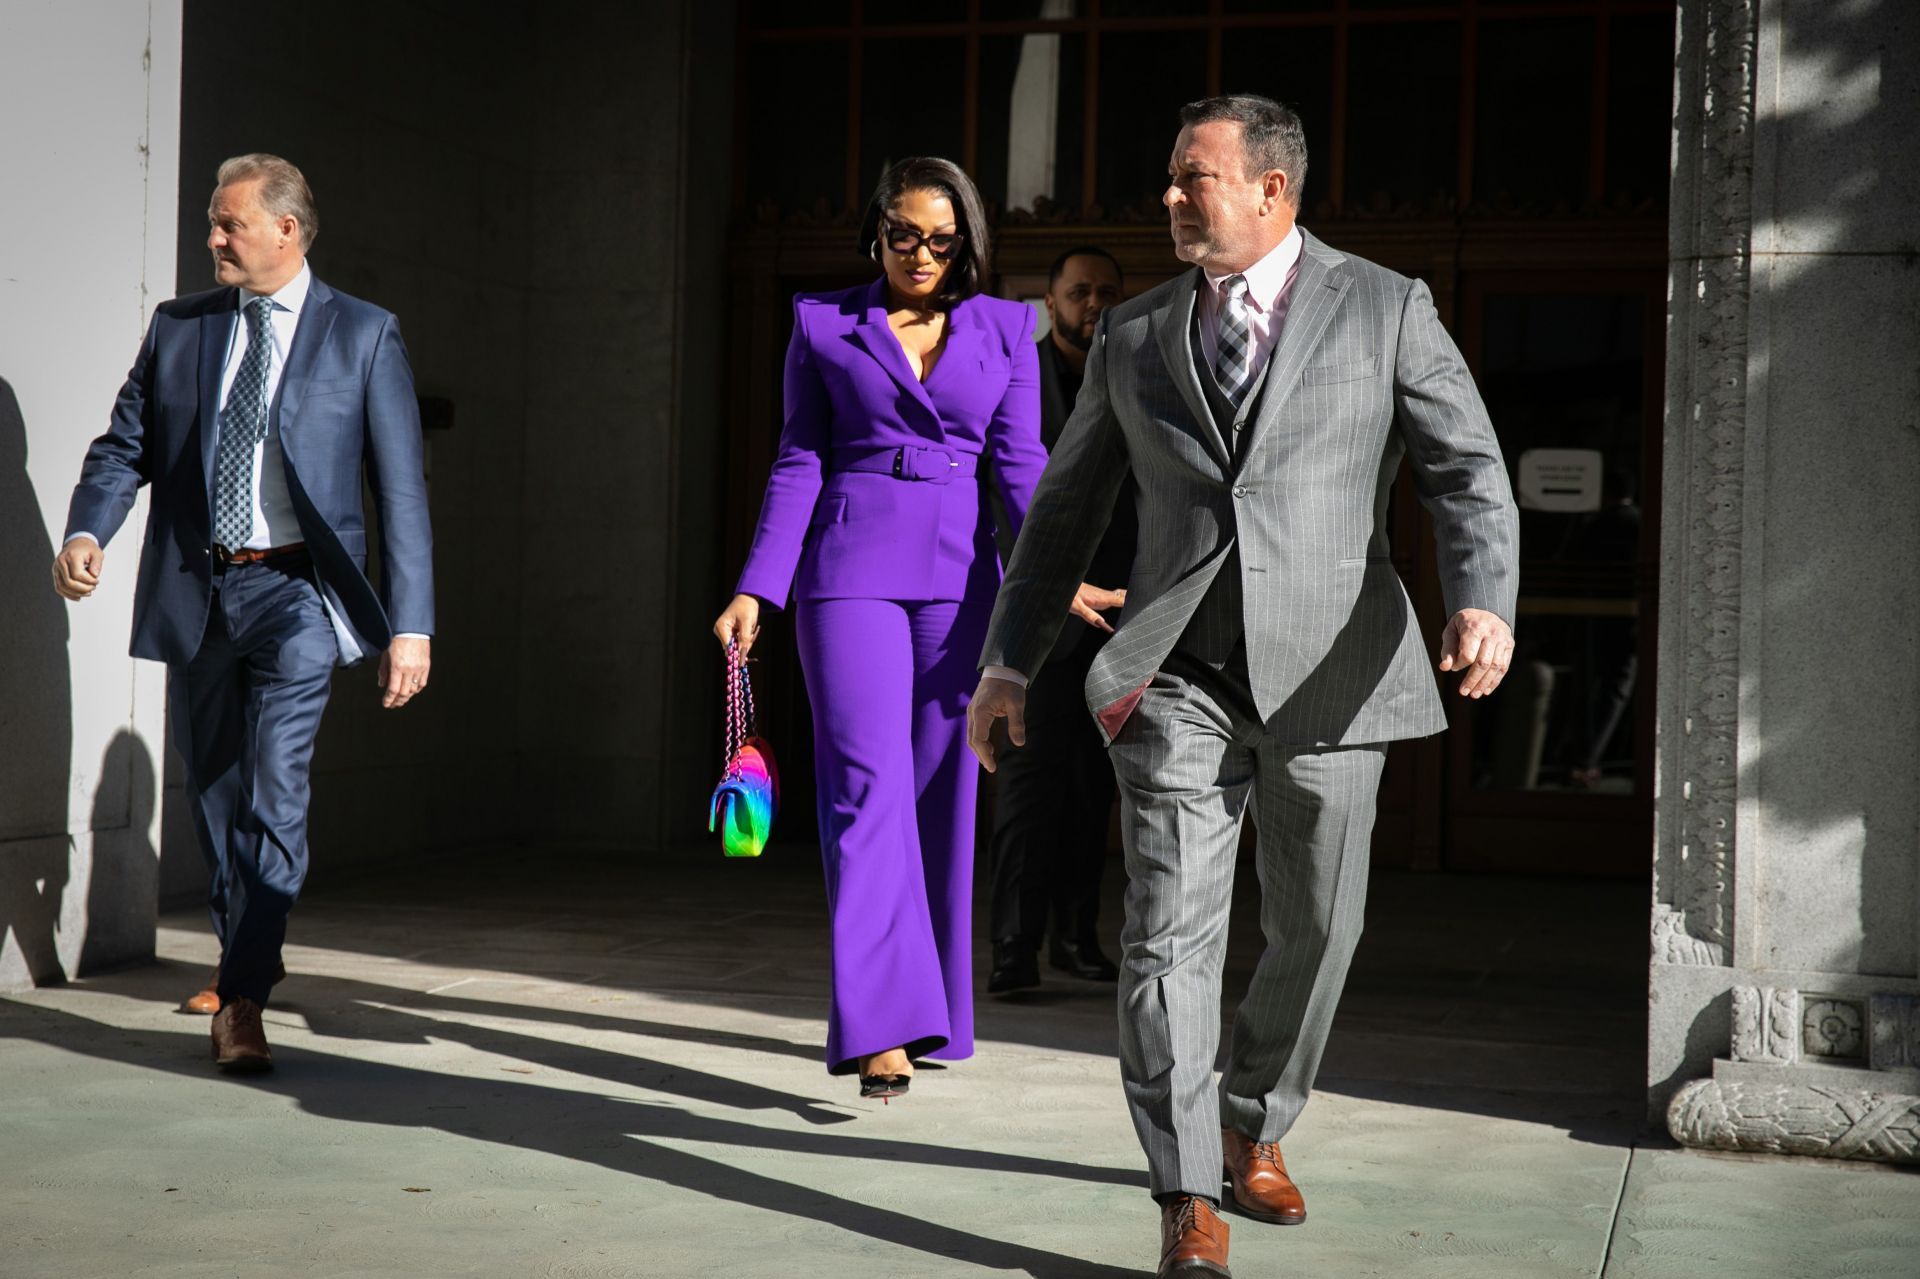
540, 1063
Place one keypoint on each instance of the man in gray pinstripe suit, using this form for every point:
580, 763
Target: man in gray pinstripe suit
1267, 653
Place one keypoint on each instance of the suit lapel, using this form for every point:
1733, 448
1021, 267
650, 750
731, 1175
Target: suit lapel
962, 350
1171, 325
309, 338
216, 337
877, 337
1318, 290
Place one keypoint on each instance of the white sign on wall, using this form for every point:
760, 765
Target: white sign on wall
1560, 479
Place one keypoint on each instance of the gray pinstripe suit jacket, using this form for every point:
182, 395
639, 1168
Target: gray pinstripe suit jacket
1363, 374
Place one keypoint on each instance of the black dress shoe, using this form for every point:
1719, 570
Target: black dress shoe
1081, 959
1015, 967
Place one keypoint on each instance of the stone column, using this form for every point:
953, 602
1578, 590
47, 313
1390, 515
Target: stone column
1785, 1010
89, 125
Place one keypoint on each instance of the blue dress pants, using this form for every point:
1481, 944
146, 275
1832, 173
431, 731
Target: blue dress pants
245, 713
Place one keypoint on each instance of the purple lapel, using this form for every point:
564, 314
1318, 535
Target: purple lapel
878, 338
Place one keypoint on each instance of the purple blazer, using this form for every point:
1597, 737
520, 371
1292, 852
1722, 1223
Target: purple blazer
875, 492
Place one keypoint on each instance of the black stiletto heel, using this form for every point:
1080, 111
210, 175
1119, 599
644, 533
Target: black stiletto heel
885, 1087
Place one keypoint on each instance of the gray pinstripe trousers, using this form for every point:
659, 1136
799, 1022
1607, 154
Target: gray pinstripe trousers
1191, 761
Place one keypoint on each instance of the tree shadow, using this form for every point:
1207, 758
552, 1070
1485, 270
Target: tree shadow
620, 1134
36, 721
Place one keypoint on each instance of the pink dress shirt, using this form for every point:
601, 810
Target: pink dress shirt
1269, 292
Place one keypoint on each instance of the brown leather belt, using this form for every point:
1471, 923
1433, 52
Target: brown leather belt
254, 556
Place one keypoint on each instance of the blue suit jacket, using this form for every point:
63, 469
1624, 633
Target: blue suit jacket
345, 399
826, 532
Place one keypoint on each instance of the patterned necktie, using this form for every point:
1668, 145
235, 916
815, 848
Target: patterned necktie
243, 424
1235, 370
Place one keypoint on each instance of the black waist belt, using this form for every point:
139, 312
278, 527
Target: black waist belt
909, 462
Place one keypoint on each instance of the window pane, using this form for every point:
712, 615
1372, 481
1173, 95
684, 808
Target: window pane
1151, 9
1145, 78
1028, 10
1295, 66
911, 102
1568, 372
796, 13
908, 11
1403, 142
1639, 109
1534, 97
797, 113
1032, 112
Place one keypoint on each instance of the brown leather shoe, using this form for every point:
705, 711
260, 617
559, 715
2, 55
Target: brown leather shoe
239, 1041
1261, 1187
1193, 1240
208, 1000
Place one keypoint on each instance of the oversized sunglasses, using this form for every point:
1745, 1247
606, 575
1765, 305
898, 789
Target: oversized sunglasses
906, 241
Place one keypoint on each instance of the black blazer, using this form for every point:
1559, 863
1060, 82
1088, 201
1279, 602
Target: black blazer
1113, 560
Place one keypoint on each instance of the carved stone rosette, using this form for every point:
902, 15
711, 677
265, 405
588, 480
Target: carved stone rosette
1787, 1119
1707, 432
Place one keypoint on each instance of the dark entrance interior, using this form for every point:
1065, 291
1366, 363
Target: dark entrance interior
1513, 156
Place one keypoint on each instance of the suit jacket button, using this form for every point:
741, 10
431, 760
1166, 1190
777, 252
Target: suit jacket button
1239, 490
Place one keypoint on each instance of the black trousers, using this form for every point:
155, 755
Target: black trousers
1054, 798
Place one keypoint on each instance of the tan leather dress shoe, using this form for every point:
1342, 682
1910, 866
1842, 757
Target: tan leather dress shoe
208, 1000
1261, 1187
239, 1041
1193, 1240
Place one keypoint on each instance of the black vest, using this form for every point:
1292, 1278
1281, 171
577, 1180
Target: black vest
1217, 624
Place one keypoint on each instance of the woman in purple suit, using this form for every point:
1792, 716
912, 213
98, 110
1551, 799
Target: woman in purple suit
898, 395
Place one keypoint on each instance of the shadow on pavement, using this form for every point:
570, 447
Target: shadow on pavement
622, 1135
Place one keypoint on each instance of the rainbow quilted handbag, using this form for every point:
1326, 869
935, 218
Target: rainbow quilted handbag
749, 791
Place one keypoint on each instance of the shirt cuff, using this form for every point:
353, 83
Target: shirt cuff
412, 635
76, 536
1006, 673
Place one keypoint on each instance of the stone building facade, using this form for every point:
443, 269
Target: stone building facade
1784, 1005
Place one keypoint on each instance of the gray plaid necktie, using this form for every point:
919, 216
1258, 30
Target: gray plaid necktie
1235, 370
243, 424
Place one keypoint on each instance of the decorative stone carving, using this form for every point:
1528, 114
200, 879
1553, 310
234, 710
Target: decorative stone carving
1778, 1119
1673, 944
1766, 1025
1706, 410
1894, 1023
1832, 1028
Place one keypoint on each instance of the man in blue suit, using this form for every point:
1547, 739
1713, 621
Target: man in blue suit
251, 411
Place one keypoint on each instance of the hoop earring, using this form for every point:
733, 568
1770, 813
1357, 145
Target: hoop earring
873, 250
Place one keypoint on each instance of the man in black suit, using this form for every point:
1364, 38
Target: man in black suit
1055, 794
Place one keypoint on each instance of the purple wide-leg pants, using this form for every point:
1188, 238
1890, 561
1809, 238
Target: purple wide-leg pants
889, 683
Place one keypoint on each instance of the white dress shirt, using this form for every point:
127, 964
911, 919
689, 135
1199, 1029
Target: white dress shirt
1269, 293
274, 523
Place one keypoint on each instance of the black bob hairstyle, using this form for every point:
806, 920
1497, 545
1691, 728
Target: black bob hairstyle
967, 274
